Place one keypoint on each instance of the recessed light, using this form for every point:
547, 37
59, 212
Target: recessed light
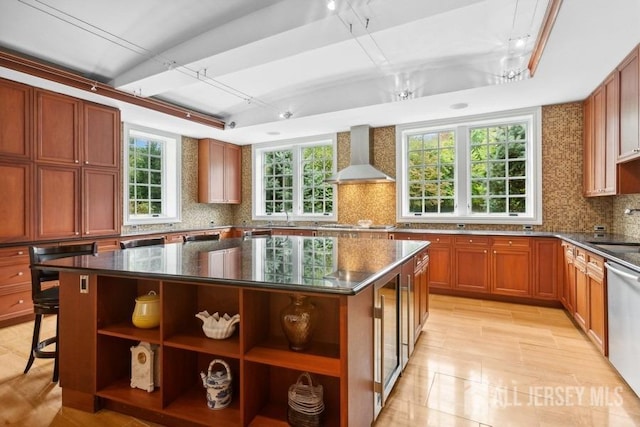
459, 106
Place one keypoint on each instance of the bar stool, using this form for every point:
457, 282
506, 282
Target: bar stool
135, 243
47, 301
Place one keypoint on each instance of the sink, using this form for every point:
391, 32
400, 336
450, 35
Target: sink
618, 247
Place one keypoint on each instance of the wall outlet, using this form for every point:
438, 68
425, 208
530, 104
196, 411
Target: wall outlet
527, 227
460, 226
599, 228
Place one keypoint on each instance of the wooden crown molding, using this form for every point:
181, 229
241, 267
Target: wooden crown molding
547, 25
67, 78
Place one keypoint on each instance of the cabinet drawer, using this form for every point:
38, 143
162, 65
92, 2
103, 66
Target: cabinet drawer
15, 273
15, 304
595, 266
472, 240
14, 254
439, 239
515, 242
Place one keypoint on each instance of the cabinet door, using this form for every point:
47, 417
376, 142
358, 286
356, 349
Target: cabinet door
57, 128
101, 142
546, 268
58, 195
16, 209
568, 294
629, 107
100, 195
15, 119
599, 150
510, 262
581, 313
588, 179
440, 261
210, 171
597, 325
232, 168
472, 268
612, 131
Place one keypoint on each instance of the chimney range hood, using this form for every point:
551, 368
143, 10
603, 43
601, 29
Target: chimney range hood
360, 170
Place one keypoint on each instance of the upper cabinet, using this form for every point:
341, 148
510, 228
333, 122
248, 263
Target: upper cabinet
15, 119
629, 147
219, 165
601, 138
77, 168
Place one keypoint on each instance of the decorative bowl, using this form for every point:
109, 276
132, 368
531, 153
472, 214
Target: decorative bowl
216, 326
365, 223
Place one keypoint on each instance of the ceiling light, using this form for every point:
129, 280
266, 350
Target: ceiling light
286, 115
331, 4
404, 95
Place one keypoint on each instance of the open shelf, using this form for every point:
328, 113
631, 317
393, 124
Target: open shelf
121, 391
128, 331
192, 406
197, 341
320, 358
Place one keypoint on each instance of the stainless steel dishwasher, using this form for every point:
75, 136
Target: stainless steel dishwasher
623, 293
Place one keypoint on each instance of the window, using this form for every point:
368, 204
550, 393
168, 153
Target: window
482, 169
152, 176
289, 179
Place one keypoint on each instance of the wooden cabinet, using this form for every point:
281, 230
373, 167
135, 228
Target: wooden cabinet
581, 308
219, 168
421, 290
97, 357
510, 266
547, 268
440, 260
16, 208
596, 288
471, 263
15, 285
568, 293
57, 128
16, 112
601, 112
77, 168
629, 143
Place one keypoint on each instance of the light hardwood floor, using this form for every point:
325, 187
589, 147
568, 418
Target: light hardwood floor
477, 363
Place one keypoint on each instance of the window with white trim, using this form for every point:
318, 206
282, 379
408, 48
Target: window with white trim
288, 179
481, 169
152, 176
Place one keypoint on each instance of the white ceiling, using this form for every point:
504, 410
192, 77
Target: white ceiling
247, 61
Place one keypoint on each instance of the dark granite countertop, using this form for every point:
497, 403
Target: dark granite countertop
309, 264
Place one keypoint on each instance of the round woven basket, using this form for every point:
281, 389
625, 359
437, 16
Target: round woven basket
305, 403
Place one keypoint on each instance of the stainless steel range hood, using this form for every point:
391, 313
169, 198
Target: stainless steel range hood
360, 170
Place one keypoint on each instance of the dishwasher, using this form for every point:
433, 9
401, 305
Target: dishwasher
623, 294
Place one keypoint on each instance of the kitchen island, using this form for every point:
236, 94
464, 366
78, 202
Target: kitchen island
353, 283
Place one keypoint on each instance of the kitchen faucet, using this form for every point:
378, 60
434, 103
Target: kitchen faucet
630, 211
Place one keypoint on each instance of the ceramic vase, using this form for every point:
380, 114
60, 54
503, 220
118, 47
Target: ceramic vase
298, 320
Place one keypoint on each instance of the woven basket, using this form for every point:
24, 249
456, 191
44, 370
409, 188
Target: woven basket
305, 403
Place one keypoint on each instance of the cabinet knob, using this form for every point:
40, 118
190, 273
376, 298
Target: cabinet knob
20, 253
20, 301
86, 162
485, 251
76, 233
495, 252
20, 273
510, 242
470, 240
76, 161
438, 239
